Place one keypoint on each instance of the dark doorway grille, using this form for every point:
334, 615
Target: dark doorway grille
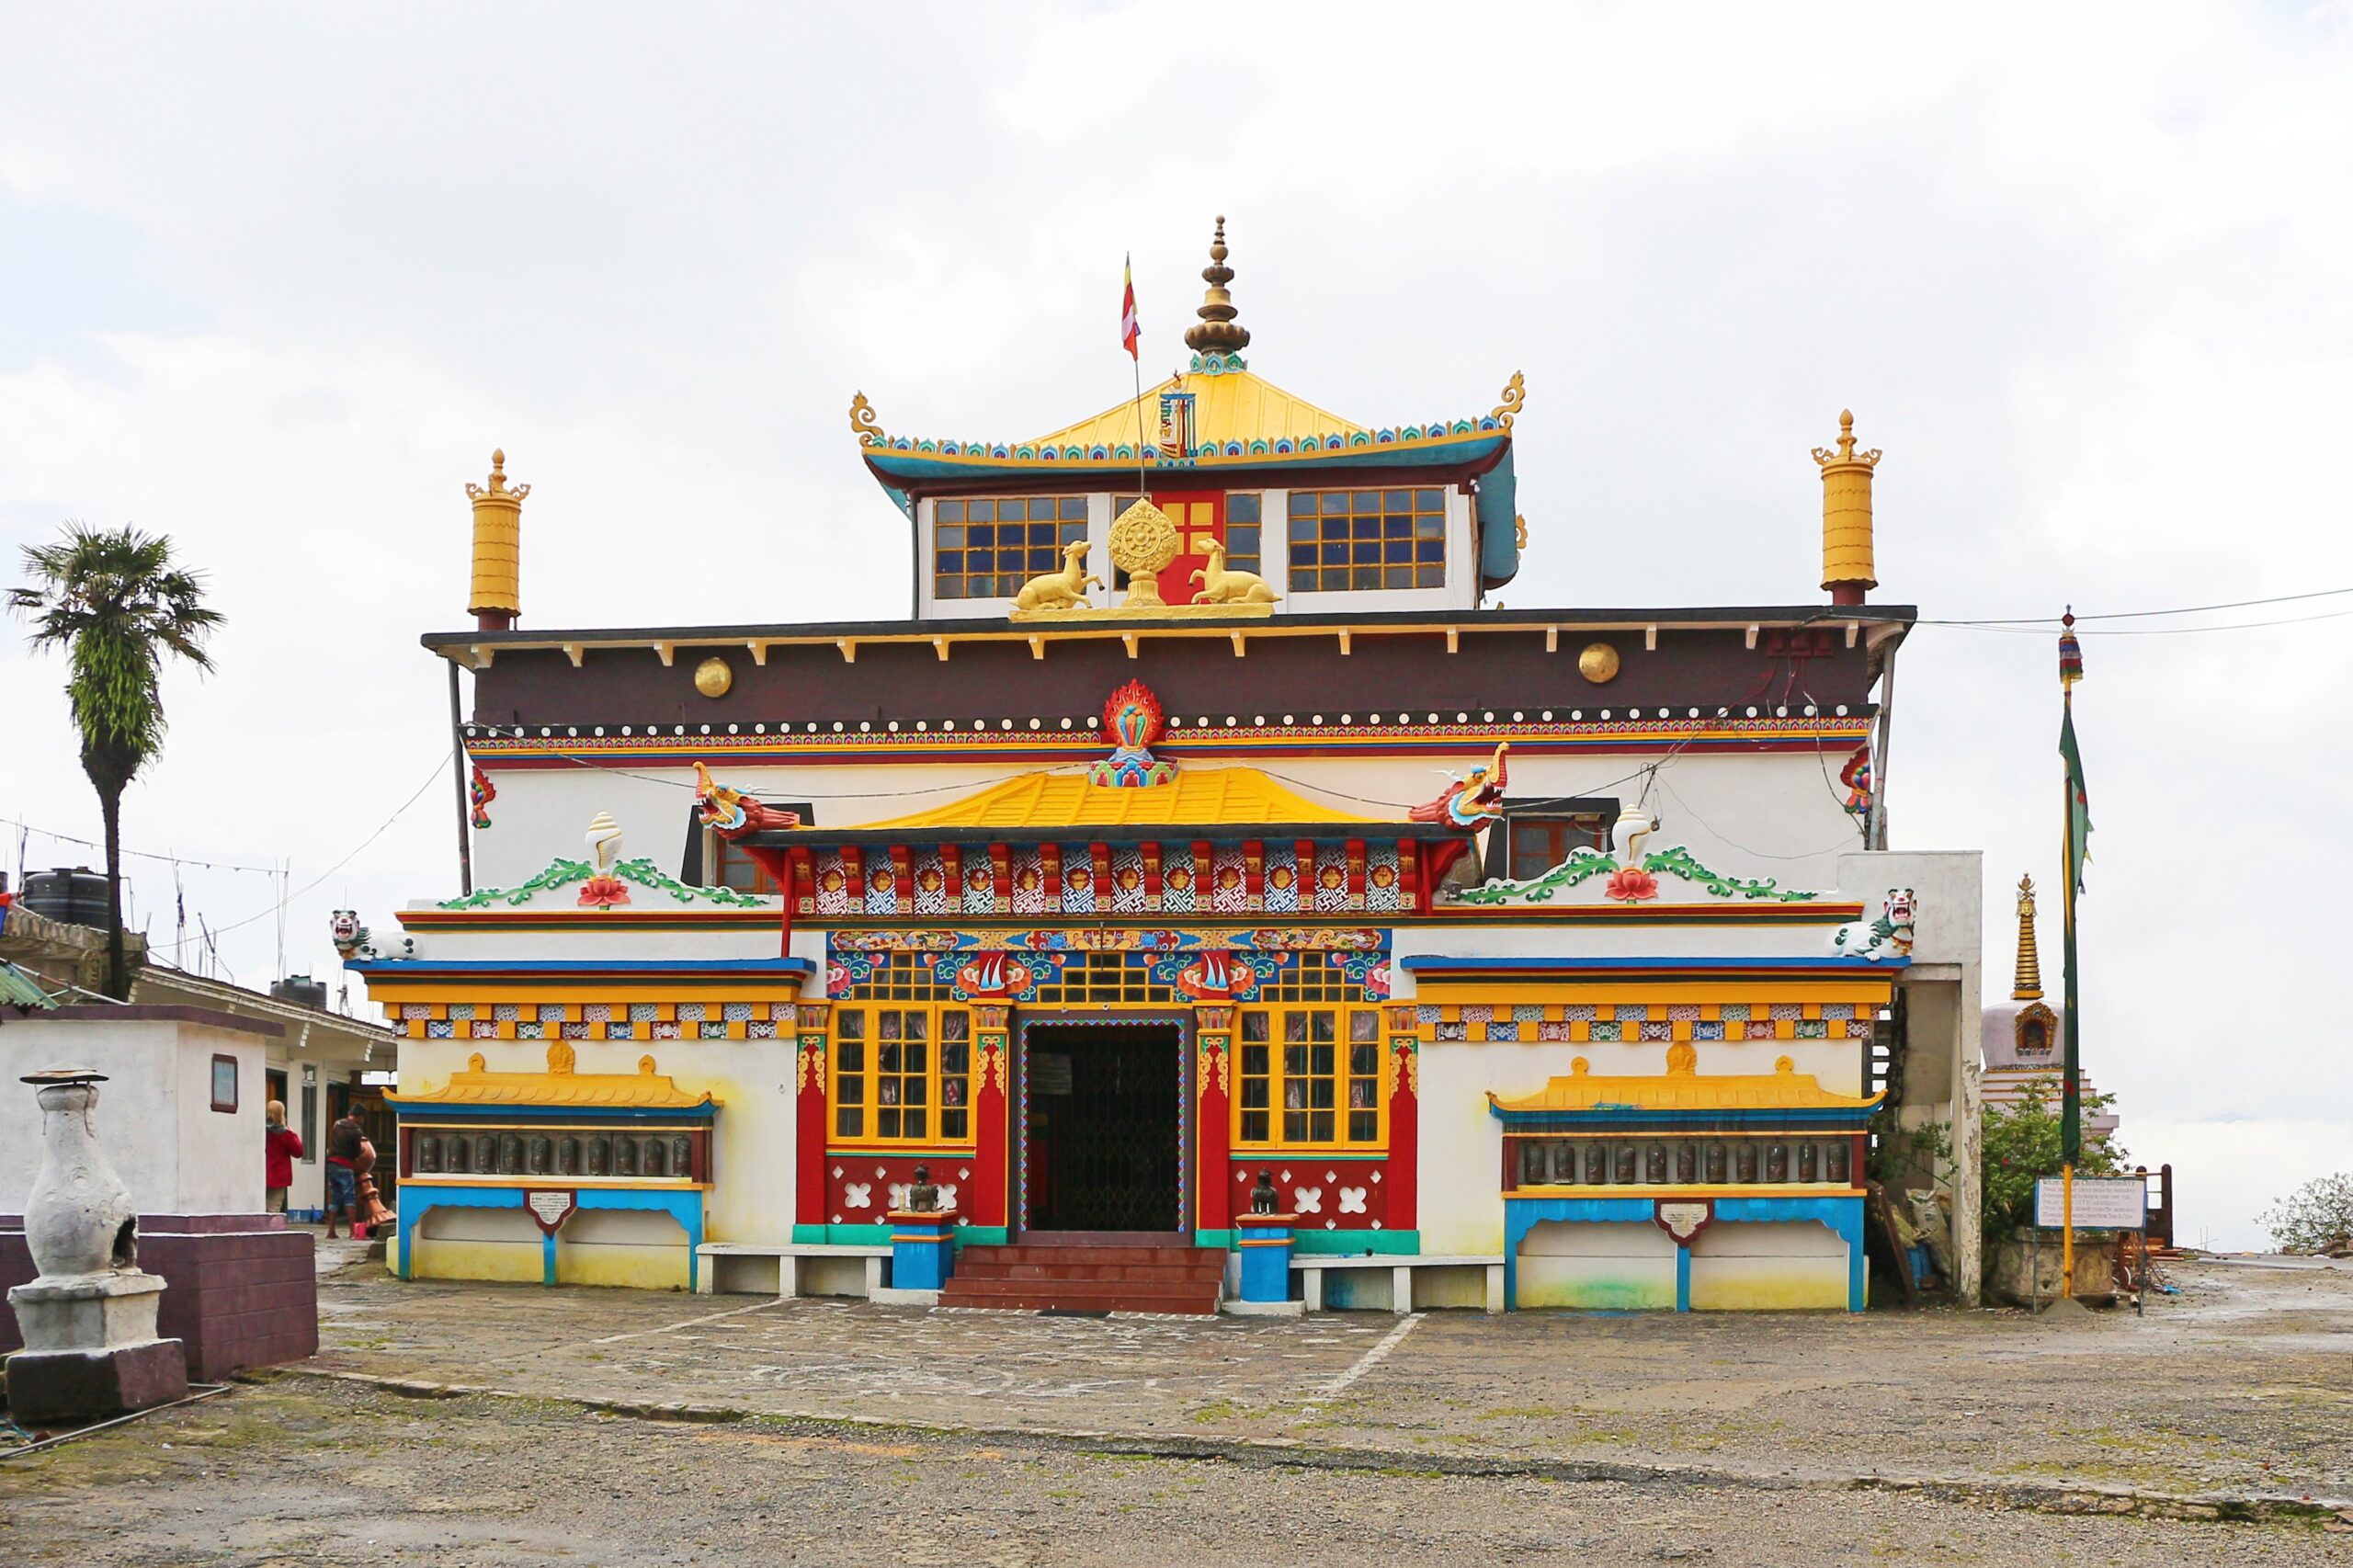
1104, 1148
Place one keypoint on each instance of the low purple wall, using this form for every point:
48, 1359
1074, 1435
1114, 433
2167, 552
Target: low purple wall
241, 1289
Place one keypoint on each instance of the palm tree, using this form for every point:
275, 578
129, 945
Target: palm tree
115, 600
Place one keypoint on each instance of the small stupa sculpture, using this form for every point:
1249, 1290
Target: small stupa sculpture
88, 1321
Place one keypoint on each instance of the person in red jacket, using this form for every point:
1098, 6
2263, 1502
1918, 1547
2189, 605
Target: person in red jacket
281, 1147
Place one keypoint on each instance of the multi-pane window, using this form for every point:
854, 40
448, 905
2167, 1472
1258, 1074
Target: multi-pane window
1354, 540
986, 547
1242, 530
735, 868
1309, 1076
1540, 843
903, 1075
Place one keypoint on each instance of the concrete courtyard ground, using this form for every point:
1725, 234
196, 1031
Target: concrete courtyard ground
613, 1427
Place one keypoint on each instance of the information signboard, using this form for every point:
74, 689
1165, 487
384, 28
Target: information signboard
2102, 1203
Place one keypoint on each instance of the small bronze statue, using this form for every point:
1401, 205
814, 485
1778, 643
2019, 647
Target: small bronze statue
1262, 1197
923, 1196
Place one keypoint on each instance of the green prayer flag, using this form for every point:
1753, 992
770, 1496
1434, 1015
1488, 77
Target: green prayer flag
2079, 810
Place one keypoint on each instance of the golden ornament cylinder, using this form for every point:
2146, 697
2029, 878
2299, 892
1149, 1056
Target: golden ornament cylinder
1847, 524
498, 555
1598, 663
714, 678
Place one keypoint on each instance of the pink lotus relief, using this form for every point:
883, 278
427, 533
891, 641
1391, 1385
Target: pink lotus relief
1632, 885
603, 893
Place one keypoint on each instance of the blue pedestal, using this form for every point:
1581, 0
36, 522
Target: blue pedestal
1264, 1241
922, 1249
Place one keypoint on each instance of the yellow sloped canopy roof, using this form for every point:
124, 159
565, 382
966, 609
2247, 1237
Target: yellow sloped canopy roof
1234, 406
1198, 797
1681, 1088
559, 1085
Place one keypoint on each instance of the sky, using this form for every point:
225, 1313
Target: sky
275, 280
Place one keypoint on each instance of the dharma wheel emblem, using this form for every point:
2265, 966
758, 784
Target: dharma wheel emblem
1144, 541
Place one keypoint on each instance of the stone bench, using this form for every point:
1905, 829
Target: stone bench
790, 1258
1401, 1267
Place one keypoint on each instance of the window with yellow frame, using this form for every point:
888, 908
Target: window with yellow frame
903, 1075
1310, 1077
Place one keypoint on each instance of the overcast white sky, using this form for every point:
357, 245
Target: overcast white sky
275, 280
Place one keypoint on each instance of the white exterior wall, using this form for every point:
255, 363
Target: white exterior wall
1945, 1008
1712, 804
154, 1115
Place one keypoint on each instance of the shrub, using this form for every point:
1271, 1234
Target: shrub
2021, 1146
2313, 1215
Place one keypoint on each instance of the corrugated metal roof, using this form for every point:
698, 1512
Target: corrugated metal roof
1198, 797
19, 989
1238, 405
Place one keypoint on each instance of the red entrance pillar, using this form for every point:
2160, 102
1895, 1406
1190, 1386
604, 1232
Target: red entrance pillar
1213, 1084
1404, 1118
809, 1163
985, 1197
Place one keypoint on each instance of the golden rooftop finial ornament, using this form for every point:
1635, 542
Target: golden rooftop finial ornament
865, 421
2028, 985
1217, 332
496, 597
1846, 570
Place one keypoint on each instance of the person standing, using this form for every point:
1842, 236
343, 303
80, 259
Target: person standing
343, 1139
281, 1147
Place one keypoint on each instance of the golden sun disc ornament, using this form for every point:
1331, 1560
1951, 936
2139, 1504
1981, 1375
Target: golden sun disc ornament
1598, 663
712, 677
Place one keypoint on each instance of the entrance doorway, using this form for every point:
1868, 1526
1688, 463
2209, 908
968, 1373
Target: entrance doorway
1103, 1147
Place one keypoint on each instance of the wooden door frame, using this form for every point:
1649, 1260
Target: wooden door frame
1018, 1100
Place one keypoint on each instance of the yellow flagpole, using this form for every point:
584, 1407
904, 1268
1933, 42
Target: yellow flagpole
2067, 1235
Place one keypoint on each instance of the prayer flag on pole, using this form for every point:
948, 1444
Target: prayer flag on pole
1130, 329
2079, 831
2079, 811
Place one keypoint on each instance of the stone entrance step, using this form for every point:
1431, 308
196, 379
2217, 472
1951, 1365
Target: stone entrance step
1078, 1275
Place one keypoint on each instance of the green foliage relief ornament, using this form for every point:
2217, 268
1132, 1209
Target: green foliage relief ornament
1584, 865
562, 873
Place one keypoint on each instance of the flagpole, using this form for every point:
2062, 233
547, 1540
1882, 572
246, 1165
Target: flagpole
1143, 486
1130, 334
2071, 1106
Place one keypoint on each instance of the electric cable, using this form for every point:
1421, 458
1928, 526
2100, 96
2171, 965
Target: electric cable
2044, 631
218, 931
140, 854
2144, 614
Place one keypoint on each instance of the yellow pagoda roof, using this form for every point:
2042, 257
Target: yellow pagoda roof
559, 1085
1683, 1088
1230, 405
1204, 797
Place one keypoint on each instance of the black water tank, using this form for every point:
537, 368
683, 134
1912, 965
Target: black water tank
302, 991
77, 896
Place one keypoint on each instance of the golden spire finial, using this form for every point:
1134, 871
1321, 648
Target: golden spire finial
497, 590
2028, 986
1217, 332
1847, 569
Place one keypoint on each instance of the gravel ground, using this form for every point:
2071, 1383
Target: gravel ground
2242, 1385
848, 1433
305, 1469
